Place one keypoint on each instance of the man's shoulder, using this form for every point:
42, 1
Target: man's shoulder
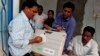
19, 15
18, 18
72, 18
60, 14
94, 42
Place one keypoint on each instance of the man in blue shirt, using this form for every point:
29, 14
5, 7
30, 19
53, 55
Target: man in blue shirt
65, 21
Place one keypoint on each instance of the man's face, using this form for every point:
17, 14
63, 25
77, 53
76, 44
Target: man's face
67, 12
32, 11
86, 37
40, 11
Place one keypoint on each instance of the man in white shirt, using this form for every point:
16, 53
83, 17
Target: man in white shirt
21, 32
84, 45
39, 18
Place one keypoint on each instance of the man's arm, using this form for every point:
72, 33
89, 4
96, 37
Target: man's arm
57, 24
16, 31
37, 39
56, 21
94, 50
70, 30
70, 48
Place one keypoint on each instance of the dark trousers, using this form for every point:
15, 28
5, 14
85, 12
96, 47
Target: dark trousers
27, 54
10, 54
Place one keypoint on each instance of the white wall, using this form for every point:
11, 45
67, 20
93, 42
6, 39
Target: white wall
48, 5
88, 16
15, 7
92, 17
97, 21
98, 30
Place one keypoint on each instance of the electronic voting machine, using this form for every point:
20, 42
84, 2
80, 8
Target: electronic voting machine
52, 45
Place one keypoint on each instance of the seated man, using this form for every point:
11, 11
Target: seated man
84, 45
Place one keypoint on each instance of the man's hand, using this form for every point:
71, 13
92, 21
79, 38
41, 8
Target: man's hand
47, 27
70, 53
37, 39
59, 28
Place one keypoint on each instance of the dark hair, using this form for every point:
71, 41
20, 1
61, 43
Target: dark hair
89, 29
40, 6
29, 4
69, 5
51, 11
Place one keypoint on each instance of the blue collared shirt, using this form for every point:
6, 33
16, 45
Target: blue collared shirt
69, 24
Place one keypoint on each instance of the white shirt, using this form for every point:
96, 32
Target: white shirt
39, 19
90, 49
20, 32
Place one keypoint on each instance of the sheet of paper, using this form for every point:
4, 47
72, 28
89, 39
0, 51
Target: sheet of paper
43, 37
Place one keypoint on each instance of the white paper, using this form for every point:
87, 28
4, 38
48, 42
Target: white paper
43, 38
